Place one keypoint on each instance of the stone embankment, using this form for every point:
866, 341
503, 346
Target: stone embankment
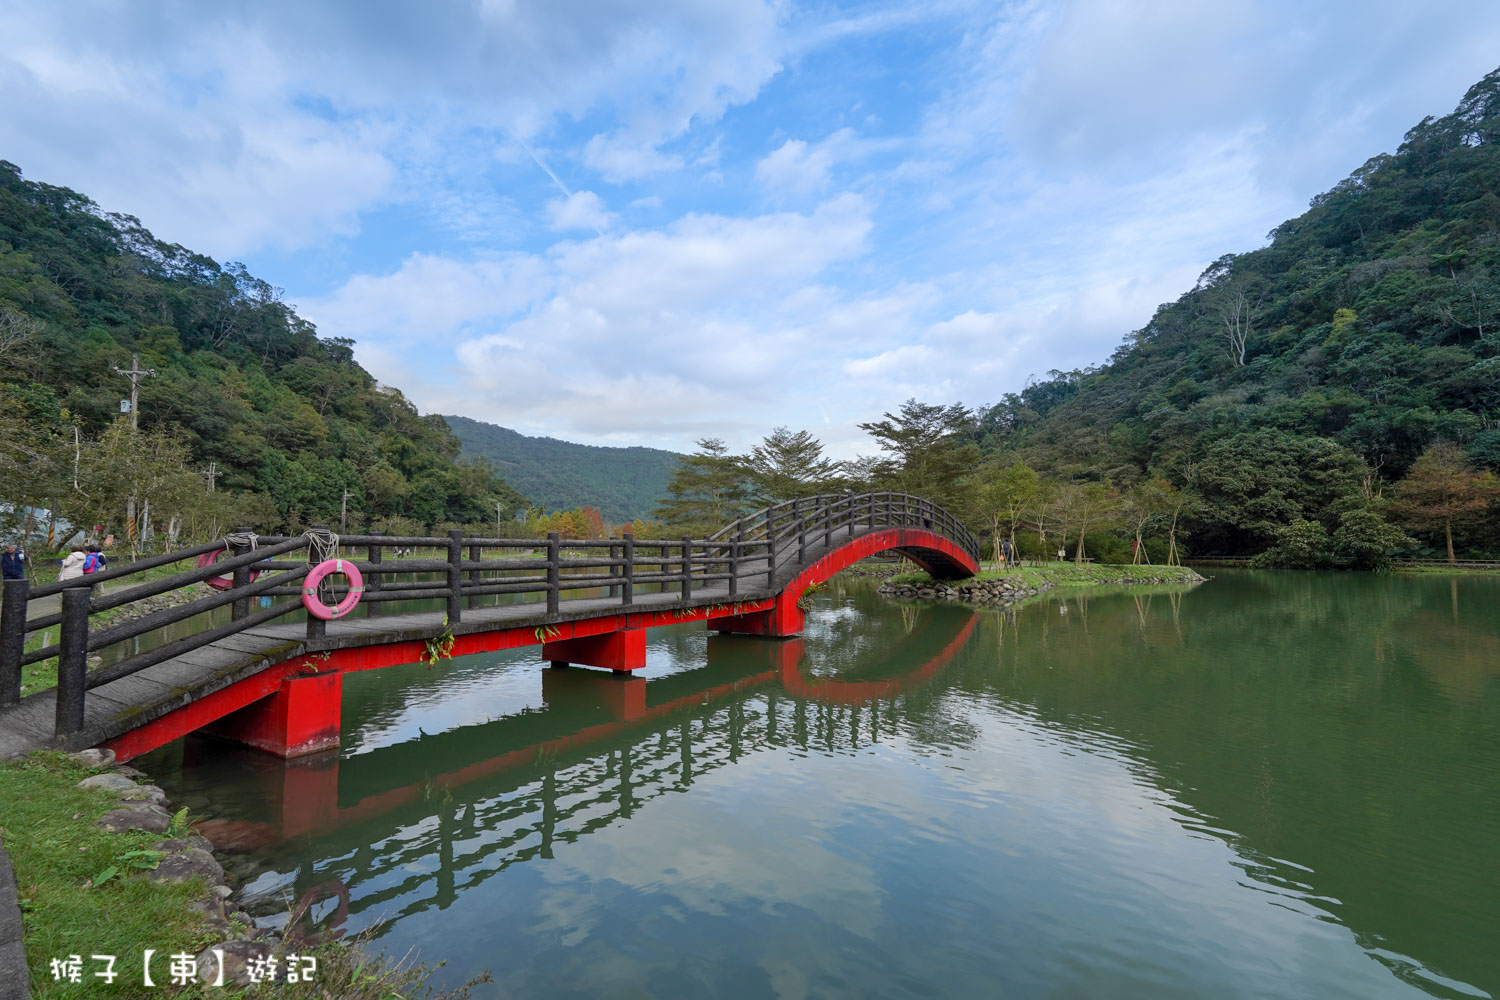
877, 569
1009, 590
185, 856
976, 591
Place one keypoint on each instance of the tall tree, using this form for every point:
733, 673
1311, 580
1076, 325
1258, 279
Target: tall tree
1443, 489
785, 466
925, 450
1142, 507
1088, 504
708, 489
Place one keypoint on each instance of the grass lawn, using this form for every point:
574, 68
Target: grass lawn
1450, 570
56, 857
46, 824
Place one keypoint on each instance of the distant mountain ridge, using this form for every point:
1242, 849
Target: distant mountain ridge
624, 483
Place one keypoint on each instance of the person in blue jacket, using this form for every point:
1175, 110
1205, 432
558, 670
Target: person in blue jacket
13, 563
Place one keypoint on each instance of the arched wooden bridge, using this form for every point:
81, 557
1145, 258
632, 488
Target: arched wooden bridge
277, 685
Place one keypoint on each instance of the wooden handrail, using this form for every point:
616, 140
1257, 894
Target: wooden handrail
762, 545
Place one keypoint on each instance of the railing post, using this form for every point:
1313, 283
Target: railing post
800, 520
476, 553
687, 568
455, 575
614, 569
13, 639
72, 660
554, 571
828, 525
241, 578
734, 563
627, 588
317, 627
372, 585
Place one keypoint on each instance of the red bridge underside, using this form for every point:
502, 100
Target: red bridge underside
293, 708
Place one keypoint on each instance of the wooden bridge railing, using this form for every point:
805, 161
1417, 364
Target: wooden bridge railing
745, 555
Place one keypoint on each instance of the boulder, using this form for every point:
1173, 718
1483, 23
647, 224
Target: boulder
148, 793
94, 757
190, 840
149, 819
191, 863
117, 784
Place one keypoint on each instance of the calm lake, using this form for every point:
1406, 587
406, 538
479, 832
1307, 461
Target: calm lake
1272, 785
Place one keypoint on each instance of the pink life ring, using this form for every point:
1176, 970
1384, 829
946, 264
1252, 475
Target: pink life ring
315, 576
220, 582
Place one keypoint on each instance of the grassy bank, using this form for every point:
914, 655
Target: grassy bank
1066, 574
47, 826
1449, 570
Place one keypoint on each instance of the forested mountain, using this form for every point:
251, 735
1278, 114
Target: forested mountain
289, 420
624, 483
1367, 330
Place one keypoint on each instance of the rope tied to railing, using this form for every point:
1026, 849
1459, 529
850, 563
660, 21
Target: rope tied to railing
322, 545
248, 539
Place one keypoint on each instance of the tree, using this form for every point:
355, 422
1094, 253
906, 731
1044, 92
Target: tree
1364, 539
1303, 544
926, 453
707, 490
1443, 489
1142, 506
1237, 314
1089, 503
1251, 484
1003, 497
786, 466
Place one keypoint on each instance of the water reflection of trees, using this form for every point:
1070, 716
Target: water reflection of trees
1339, 730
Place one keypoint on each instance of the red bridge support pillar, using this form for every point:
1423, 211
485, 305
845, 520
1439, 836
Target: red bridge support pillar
302, 717
620, 651
782, 620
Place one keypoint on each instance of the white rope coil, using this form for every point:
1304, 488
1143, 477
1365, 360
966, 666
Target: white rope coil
322, 545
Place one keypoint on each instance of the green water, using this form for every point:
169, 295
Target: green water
1273, 785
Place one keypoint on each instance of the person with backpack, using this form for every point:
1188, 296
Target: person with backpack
94, 560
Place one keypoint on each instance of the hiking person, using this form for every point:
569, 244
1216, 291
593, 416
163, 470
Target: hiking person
1008, 552
13, 563
72, 564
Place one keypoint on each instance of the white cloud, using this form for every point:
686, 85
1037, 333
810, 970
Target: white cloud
642, 333
626, 158
580, 210
799, 168
238, 129
795, 167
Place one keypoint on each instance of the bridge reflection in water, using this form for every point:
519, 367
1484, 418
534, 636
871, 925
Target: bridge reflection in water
395, 834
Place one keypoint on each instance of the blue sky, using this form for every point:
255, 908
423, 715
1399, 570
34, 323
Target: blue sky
644, 223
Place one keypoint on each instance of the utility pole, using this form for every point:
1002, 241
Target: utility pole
344, 509
135, 373
211, 473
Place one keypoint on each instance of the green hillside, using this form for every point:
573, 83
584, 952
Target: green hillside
624, 483
289, 420
1367, 330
